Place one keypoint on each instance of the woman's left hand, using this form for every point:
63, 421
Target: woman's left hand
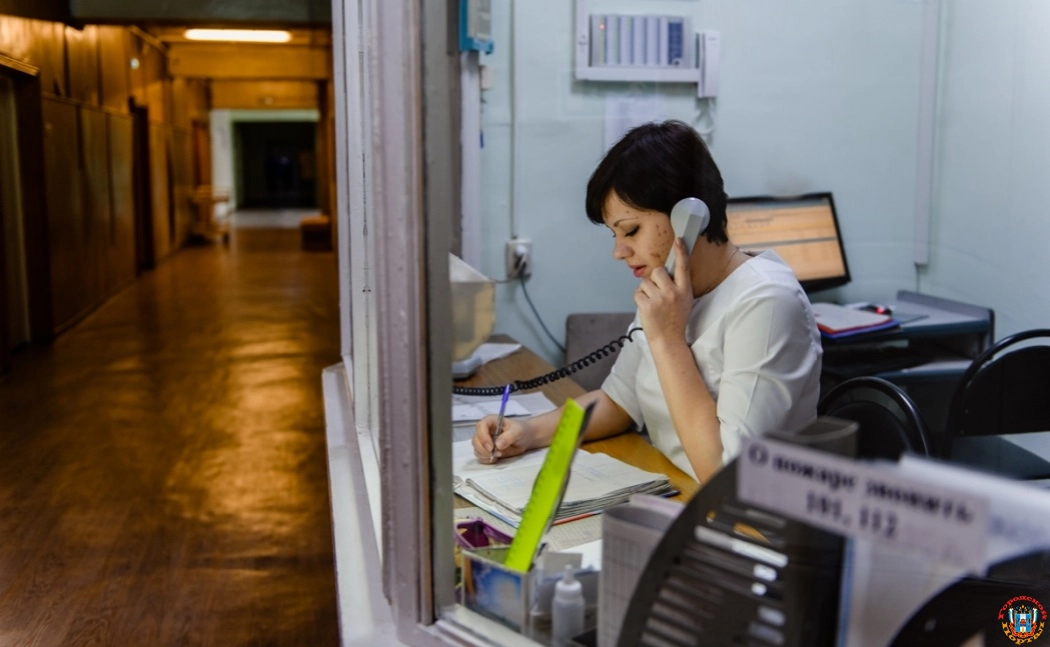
664, 302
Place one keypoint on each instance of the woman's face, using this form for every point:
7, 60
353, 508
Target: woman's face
643, 238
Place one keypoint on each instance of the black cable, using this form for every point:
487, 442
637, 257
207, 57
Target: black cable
521, 275
553, 376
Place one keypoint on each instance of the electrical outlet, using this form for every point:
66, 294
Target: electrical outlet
519, 258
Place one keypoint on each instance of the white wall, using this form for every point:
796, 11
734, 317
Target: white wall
990, 230
815, 95
222, 158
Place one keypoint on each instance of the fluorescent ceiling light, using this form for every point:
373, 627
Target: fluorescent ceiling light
240, 35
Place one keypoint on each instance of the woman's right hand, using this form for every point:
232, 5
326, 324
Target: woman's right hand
515, 439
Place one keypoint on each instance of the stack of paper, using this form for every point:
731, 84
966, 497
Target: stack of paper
597, 481
836, 321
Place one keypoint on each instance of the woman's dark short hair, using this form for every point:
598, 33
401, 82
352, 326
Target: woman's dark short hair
653, 167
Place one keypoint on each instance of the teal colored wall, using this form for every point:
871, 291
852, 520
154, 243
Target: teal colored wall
816, 95
990, 230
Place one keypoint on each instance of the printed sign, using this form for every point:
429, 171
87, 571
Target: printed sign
864, 502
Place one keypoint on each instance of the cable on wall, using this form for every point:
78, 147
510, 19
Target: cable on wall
538, 317
704, 122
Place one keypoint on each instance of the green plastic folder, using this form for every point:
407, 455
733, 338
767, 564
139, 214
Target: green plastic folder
549, 487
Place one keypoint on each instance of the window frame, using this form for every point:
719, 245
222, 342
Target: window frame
399, 147
389, 264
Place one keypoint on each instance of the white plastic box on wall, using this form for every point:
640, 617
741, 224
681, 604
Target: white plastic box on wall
621, 47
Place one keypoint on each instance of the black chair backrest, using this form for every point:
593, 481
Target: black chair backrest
890, 423
1004, 391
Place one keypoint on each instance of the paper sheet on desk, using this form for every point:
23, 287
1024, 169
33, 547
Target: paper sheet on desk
490, 352
466, 408
472, 411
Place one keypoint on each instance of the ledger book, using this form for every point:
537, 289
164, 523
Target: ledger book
596, 482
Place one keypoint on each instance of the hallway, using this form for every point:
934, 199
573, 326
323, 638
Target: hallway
162, 464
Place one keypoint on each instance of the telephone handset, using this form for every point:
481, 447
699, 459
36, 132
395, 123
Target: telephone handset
689, 219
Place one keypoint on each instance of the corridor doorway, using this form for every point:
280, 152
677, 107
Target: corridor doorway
14, 292
276, 164
145, 257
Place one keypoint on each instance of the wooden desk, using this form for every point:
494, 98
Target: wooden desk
628, 447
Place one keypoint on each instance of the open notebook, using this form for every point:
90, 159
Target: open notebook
597, 481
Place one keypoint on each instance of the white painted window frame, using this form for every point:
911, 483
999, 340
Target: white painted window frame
383, 302
354, 242
393, 224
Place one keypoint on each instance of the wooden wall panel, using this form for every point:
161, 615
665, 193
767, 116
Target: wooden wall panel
158, 94
198, 104
241, 61
269, 95
40, 44
34, 211
94, 142
85, 152
82, 57
134, 48
182, 181
159, 190
50, 50
180, 117
156, 90
65, 211
16, 38
115, 67
201, 153
120, 256
189, 102
5, 312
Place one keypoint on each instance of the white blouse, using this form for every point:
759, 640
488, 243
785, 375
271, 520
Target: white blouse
756, 344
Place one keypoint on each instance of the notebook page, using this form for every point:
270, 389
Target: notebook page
465, 465
595, 477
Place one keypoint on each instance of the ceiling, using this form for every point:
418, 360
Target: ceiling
240, 13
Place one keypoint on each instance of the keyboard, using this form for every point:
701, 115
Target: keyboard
846, 362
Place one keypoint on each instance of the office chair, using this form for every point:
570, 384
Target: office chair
890, 423
584, 332
1005, 390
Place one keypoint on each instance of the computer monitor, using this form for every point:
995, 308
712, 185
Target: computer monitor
803, 230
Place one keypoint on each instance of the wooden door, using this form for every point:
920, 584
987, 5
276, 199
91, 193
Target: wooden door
143, 191
121, 257
34, 272
5, 341
8, 255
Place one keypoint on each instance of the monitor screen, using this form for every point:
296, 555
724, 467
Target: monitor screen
803, 230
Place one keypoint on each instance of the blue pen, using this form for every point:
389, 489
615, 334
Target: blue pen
499, 421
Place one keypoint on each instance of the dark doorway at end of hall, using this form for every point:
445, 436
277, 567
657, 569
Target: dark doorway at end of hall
276, 165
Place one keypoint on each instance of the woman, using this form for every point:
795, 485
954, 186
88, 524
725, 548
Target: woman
729, 349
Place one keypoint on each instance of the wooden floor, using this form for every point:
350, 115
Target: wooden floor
162, 465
